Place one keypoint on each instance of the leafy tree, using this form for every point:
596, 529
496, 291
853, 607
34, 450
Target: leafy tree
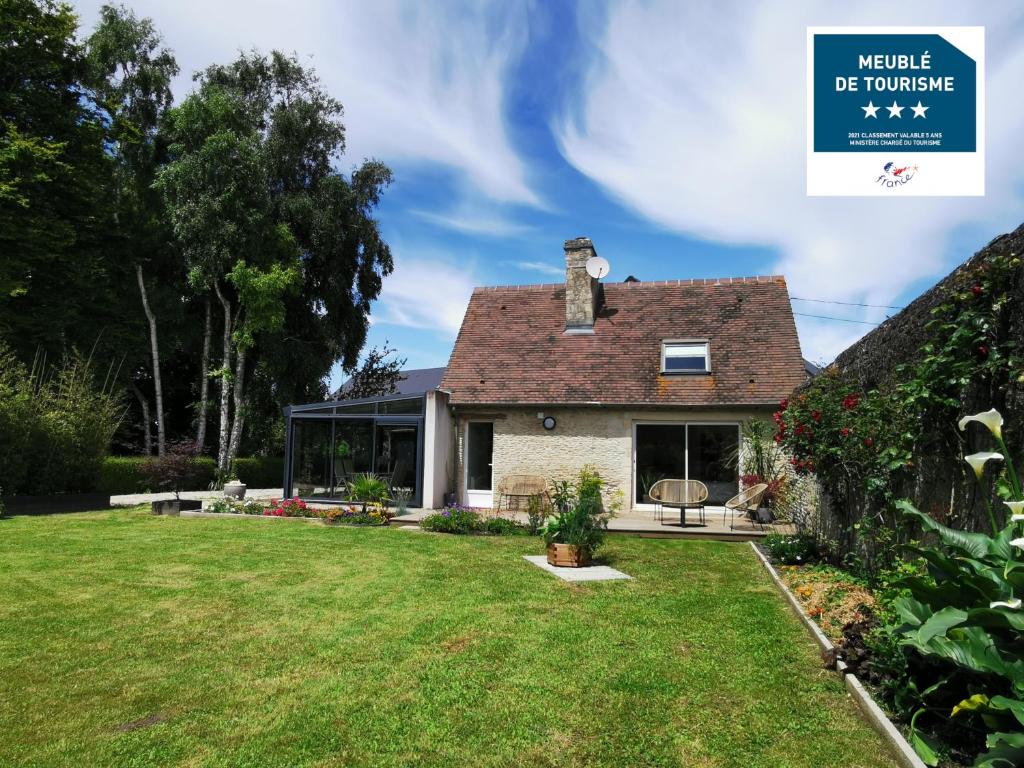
377, 376
58, 290
130, 78
285, 242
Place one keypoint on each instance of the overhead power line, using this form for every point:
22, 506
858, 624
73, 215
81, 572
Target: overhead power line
840, 319
847, 303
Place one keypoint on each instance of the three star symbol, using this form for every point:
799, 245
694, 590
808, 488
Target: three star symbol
895, 110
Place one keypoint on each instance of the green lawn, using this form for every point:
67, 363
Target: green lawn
133, 640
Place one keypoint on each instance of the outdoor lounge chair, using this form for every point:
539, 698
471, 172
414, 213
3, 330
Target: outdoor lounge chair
681, 495
747, 502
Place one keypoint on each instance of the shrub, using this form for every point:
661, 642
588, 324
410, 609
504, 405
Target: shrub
176, 470
536, 514
580, 519
259, 471
796, 549
367, 487
453, 519
55, 425
964, 621
502, 526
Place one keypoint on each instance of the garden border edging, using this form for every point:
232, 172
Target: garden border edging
874, 713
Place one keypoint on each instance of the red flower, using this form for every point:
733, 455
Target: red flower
778, 437
845, 431
794, 461
982, 350
783, 404
977, 290
851, 401
868, 442
816, 415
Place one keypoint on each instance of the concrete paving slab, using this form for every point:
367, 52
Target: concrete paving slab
590, 573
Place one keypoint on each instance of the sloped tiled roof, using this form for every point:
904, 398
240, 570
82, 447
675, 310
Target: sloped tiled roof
413, 381
512, 348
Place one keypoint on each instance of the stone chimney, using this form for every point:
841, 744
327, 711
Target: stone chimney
581, 290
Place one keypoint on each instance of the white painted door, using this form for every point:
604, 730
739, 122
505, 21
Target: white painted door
479, 469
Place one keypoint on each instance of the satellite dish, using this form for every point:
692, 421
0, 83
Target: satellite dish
597, 267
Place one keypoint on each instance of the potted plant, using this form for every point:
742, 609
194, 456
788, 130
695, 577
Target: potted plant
177, 470
578, 526
234, 489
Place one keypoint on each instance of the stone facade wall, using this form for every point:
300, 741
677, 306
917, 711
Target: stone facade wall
599, 436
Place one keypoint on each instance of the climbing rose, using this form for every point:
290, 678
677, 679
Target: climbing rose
976, 290
816, 415
845, 431
851, 401
868, 442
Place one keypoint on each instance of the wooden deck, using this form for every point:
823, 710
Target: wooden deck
646, 524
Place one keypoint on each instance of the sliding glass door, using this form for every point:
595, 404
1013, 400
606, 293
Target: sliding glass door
680, 451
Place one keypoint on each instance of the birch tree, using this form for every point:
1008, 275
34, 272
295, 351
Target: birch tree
287, 244
129, 74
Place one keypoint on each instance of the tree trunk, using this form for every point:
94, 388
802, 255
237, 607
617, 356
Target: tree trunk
225, 423
239, 396
148, 431
155, 350
204, 379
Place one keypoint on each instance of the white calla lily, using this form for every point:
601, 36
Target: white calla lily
1019, 543
990, 418
1016, 510
977, 460
1013, 604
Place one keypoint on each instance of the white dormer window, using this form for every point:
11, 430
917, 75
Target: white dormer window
685, 357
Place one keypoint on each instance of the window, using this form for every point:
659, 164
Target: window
685, 357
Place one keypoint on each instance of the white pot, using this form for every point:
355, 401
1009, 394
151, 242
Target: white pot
234, 489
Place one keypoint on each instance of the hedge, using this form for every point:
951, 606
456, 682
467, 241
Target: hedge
123, 474
260, 471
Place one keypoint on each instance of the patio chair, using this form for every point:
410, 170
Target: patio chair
747, 502
681, 495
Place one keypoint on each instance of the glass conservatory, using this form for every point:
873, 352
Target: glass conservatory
328, 444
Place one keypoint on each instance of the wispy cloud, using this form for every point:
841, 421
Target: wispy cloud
711, 144
538, 266
473, 221
425, 293
422, 83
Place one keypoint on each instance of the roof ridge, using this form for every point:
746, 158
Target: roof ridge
751, 279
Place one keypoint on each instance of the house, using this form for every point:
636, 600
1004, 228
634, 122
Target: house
643, 380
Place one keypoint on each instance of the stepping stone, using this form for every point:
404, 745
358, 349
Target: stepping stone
590, 573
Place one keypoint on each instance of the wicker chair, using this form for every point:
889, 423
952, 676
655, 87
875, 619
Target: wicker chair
747, 502
515, 489
681, 495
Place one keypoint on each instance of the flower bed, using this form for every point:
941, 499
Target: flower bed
343, 514
462, 520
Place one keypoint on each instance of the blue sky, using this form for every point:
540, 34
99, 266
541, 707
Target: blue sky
670, 133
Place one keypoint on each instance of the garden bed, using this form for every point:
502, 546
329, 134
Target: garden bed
828, 608
358, 513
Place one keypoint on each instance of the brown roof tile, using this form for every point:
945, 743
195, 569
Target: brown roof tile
512, 348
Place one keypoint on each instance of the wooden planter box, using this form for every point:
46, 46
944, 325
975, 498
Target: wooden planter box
175, 507
567, 556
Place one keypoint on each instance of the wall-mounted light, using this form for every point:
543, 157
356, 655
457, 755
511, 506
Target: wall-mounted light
549, 423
